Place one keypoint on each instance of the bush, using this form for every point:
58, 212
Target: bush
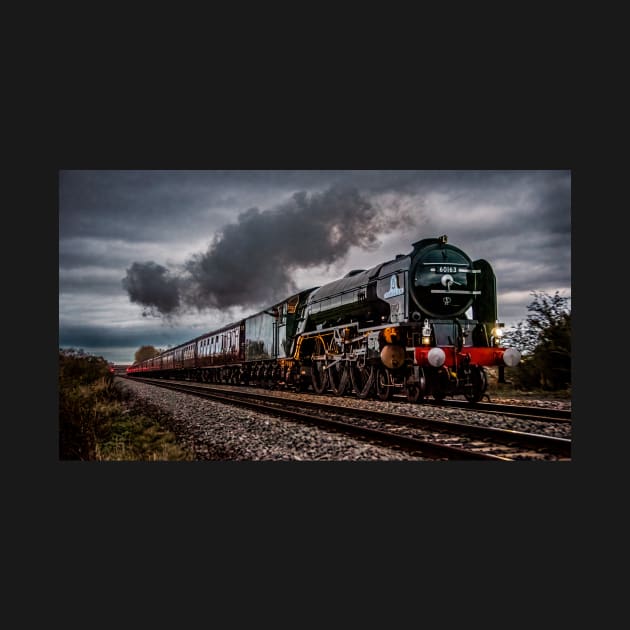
95, 422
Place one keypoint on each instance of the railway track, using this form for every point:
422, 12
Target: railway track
428, 438
518, 411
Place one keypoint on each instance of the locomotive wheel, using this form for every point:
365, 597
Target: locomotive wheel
440, 385
480, 383
383, 391
319, 377
416, 391
338, 378
413, 393
268, 379
362, 379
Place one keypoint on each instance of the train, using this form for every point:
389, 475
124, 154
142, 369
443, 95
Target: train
421, 325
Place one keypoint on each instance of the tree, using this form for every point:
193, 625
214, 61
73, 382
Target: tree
145, 352
545, 343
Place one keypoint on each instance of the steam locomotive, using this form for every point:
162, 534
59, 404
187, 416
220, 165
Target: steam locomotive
422, 324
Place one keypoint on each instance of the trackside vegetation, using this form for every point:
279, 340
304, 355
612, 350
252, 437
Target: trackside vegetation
99, 421
545, 341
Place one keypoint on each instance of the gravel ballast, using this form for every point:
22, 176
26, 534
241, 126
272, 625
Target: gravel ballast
218, 432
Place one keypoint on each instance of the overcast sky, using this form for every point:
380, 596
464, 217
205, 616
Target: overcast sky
159, 257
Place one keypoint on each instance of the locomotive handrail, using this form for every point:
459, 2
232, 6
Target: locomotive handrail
457, 291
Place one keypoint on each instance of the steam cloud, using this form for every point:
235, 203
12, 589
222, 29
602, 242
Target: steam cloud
152, 286
250, 263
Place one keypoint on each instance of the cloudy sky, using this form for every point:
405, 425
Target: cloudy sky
159, 257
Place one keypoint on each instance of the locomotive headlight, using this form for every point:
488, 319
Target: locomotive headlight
436, 357
497, 333
426, 341
511, 357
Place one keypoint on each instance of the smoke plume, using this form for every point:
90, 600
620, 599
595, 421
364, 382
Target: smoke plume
152, 286
250, 263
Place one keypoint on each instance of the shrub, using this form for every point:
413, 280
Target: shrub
95, 422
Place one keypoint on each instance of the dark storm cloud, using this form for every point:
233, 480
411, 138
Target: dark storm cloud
518, 221
160, 205
515, 202
96, 337
250, 262
534, 254
90, 283
136, 205
77, 253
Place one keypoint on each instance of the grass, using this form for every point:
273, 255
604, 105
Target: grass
508, 390
99, 421
138, 437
